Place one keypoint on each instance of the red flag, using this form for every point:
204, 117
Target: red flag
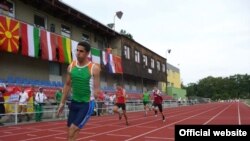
118, 64
48, 45
9, 34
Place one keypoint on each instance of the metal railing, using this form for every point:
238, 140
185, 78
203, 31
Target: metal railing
12, 116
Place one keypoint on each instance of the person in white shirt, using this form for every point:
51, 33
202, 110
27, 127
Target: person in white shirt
40, 98
22, 105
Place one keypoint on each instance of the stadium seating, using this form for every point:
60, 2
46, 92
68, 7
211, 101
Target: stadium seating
11, 80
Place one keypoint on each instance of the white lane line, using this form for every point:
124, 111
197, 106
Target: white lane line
216, 115
118, 135
20, 133
51, 135
8, 132
239, 119
167, 125
147, 126
57, 130
14, 127
63, 138
89, 133
31, 135
110, 131
158, 138
172, 127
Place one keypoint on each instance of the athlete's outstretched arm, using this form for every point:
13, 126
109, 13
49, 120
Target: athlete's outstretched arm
96, 74
65, 92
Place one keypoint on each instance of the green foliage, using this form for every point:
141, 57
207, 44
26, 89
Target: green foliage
123, 32
232, 87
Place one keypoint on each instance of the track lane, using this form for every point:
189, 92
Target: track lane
141, 128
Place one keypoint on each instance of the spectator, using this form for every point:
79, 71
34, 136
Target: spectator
100, 103
31, 92
58, 96
40, 98
2, 108
111, 103
106, 102
22, 105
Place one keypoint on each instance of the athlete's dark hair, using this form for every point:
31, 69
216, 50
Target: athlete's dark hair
85, 44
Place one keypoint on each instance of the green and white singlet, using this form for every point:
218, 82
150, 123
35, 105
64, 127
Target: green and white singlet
82, 82
146, 96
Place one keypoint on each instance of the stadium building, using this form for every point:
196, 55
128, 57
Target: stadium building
38, 40
174, 83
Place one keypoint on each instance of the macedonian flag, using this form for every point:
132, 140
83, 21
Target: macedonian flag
9, 34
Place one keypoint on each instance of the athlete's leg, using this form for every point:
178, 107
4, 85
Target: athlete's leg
73, 132
145, 108
160, 109
155, 109
78, 116
115, 110
123, 106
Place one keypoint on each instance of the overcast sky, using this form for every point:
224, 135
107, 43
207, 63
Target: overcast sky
207, 37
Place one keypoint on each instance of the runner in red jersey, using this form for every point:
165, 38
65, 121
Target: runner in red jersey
158, 102
120, 102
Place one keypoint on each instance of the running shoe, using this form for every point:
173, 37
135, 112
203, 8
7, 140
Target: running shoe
127, 123
120, 116
163, 119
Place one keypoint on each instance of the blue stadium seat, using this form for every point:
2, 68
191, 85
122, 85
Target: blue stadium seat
10, 79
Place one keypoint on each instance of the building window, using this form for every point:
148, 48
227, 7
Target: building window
85, 37
137, 56
158, 66
52, 27
127, 52
65, 31
145, 60
39, 21
152, 63
7, 7
54, 68
163, 68
100, 44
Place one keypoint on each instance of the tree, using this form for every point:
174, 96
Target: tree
232, 87
123, 32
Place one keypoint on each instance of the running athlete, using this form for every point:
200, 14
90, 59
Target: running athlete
120, 102
158, 102
146, 101
84, 79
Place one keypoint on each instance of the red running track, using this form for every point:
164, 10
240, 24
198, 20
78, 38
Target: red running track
150, 128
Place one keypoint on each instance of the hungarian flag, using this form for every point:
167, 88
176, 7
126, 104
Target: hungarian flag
9, 34
95, 55
48, 45
30, 40
64, 47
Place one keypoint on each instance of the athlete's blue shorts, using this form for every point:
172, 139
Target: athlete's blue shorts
80, 112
